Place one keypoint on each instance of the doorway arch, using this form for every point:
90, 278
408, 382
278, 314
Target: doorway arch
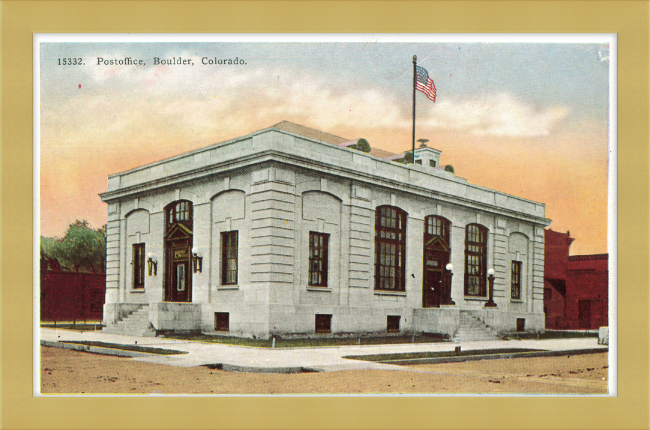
178, 251
435, 283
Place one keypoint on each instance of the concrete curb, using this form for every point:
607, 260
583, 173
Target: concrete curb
97, 349
495, 356
252, 369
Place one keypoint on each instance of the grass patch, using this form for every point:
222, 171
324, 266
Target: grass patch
135, 348
307, 343
552, 334
73, 326
443, 354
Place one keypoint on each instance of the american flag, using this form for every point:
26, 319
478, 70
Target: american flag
424, 83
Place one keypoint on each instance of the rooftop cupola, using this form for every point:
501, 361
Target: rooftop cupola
427, 156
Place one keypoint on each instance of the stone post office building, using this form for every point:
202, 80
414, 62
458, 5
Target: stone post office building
289, 232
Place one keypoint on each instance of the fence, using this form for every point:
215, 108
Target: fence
74, 297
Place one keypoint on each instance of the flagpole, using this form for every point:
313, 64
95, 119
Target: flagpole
415, 59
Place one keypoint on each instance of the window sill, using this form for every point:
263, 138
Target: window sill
476, 298
227, 287
324, 289
390, 293
137, 290
516, 300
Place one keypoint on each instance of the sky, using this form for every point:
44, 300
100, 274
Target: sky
526, 116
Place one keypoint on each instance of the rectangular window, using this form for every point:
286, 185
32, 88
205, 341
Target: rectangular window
475, 260
515, 280
323, 323
138, 265
418, 162
392, 323
318, 243
390, 249
221, 321
229, 248
432, 163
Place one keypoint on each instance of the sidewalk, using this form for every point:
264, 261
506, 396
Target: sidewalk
289, 360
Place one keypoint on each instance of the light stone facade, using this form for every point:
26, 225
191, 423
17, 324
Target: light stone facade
273, 188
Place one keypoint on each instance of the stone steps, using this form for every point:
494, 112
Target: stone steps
134, 324
471, 328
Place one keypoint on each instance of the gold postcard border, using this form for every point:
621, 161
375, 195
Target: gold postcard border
19, 20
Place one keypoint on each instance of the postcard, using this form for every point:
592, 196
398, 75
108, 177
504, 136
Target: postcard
378, 214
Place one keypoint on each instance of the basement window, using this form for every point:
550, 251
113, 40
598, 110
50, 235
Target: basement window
521, 324
392, 323
323, 323
221, 321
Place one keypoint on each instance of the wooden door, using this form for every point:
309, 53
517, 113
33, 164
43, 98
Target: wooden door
178, 276
433, 278
584, 314
432, 289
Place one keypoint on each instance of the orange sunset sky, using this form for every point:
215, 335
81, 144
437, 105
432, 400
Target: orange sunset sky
528, 119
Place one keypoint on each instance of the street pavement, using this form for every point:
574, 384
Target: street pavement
286, 360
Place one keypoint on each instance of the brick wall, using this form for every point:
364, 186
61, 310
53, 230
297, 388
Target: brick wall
67, 296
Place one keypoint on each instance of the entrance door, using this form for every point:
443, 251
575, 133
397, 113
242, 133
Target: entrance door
178, 279
432, 289
435, 279
584, 314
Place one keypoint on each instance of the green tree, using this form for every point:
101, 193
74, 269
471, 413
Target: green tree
361, 145
82, 249
408, 157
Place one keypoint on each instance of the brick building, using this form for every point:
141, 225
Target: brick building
575, 287
70, 296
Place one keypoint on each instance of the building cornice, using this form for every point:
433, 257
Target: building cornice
588, 257
273, 157
349, 164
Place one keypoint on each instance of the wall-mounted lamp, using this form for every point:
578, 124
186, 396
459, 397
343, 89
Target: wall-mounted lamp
197, 262
446, 296
152, 264
490, 303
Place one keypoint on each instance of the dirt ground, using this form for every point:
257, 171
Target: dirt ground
72, 372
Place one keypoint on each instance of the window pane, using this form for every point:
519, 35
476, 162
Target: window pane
138, 265
180, 277
317, 259
515, 272
229, 257
390, 227
475, 259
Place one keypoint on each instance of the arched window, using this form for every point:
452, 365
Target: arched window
435, 226
390, 248
179, 212
475, 260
